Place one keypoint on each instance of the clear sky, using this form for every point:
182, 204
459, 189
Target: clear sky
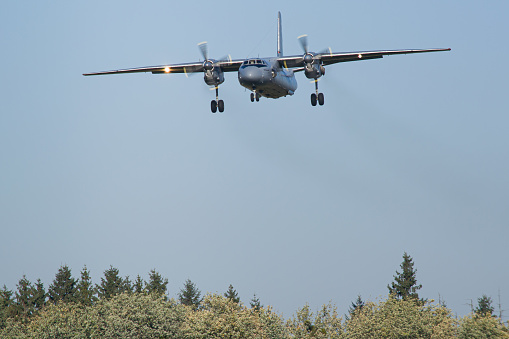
294, 203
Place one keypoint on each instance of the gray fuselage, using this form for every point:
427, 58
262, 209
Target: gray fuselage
265, 77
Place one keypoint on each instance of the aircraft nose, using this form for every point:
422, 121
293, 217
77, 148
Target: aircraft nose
251, 75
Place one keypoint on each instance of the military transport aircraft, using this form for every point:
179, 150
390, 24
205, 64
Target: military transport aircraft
267, 77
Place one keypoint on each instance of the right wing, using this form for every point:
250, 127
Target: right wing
192, 67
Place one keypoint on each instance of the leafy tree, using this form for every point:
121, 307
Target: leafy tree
63, 287
405, 284
190, 295
255, 303
156, 285
481, 327
395, 318
326, 323
111, 285
24, 306
484, 307
232, 294
138, 285
85, 293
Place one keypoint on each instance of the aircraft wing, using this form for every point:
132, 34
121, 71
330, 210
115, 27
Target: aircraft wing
193, 67
333, 58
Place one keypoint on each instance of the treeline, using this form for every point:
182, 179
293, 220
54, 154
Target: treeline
120, 308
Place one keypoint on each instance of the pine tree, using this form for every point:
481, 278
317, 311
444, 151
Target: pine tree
232, 294
138, 285
356, 306
85, 293
6, 305
484, 307
127, 286
39, 295
24, 306
190, 295
156, 284
255, 303
405, 285
111, 285
63, 287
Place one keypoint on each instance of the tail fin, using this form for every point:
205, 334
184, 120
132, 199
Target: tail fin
279, 36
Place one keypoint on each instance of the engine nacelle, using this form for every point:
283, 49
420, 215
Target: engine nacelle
314, 71
214, 76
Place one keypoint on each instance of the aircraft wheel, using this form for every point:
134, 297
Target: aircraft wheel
252, 97
313, 99
220, 106
257, 97
213, 106
320, 99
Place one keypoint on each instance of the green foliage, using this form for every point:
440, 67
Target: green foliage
405, 284
156, 285
395, 318
24, 306
326, 323
484, 307
477, 326
39, 295
356, 306
190, 295
111, 285
63, 287
138, 285
6, 305
255, 303
85, 293
232, 294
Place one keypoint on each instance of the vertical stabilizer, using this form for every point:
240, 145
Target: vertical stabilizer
279, 36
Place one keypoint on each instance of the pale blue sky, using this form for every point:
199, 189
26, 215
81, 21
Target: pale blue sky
295, 203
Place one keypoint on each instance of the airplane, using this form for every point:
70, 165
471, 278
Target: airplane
272, 77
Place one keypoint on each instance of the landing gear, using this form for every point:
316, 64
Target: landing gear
317, 97
217, 104
255, 96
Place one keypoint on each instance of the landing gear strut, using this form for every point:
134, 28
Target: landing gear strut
217, 104
317, 96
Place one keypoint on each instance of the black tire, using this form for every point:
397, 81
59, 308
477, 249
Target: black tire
213, 106
313, 99
220, 106
321, 99
252, 97
257, 97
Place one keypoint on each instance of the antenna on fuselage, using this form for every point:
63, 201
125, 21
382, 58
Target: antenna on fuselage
279, 36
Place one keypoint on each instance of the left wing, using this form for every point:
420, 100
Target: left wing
333, 58
192, 67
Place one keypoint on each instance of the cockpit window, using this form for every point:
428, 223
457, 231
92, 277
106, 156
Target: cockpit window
254, 62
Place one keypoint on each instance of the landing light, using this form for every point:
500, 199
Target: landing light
359, 56
167, 69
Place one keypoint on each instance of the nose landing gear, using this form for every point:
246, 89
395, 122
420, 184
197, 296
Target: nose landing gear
217, 104
255, 96
317, 97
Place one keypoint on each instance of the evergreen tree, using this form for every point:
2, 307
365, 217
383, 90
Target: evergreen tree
85, 293
24, 306
232, 294
190, 295
6, 305
111, 285
405, 285
39, 295
156, 284
138, 285
127, 286
63, 287
255, 303
484, 307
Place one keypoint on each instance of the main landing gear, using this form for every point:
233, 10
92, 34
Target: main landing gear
216, 105
317, 96
255, 96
